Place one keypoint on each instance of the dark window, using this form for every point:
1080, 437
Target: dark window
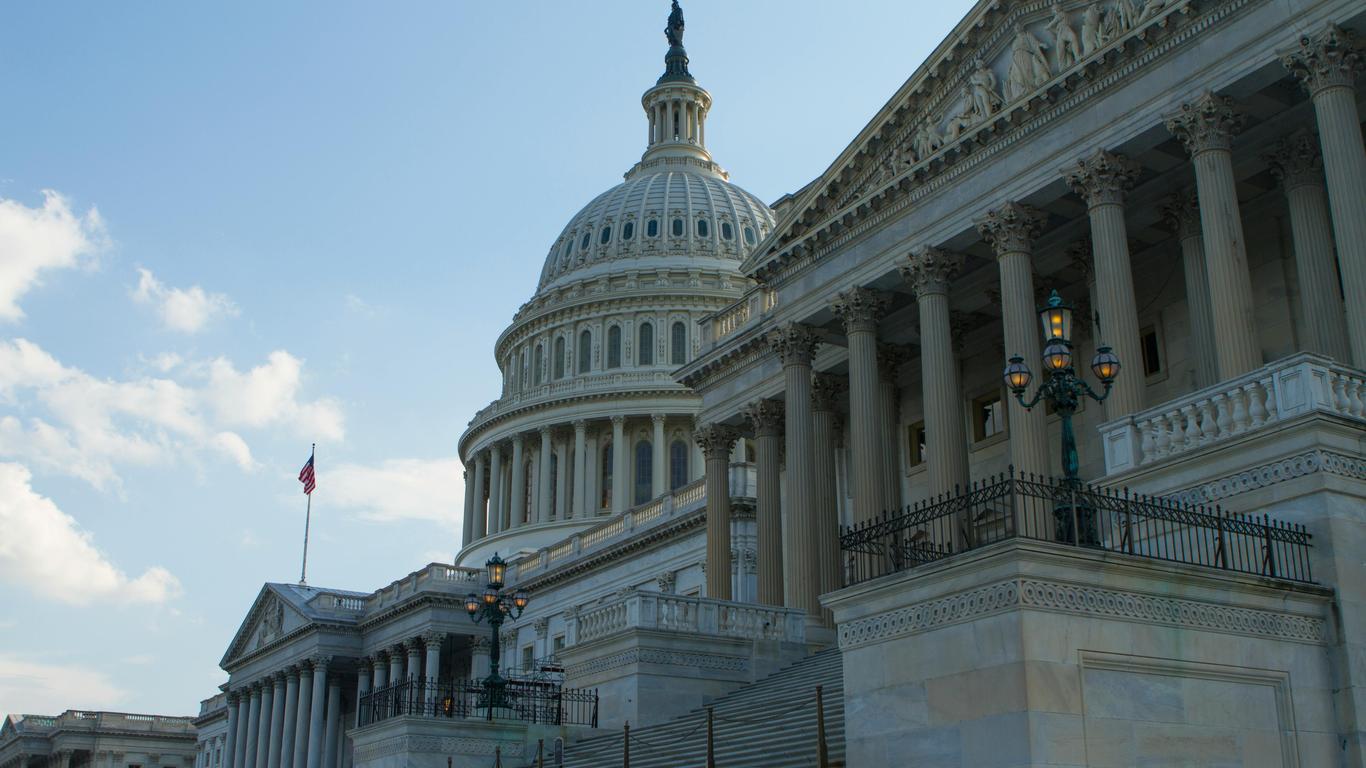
554, 483
644, 470
607, 476
750, 239
559, 358
583, 244
606, 236
645, 352
988, 416
916, 435
1152, 351
614, 347
678, 465
585, 352
538, 366
628, 230
678, 345
678, 227
703, 228
652, 228
727, 231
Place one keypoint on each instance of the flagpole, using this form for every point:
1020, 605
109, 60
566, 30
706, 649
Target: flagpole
308, 515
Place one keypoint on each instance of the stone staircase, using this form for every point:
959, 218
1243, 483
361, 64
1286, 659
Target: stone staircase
767, 724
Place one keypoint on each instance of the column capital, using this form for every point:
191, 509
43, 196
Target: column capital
1327, 59
546, 431
859, 308
517, 439
794, 343
891, 357
1081, 258
320, 663
1011, 228
931, 270
715, 440
1207, 123
397, 649
657, 418
363, 665
617, 420
542, 626
1181, 212
433, 639
233, 696
1102, 178
826, 389
480, 644
580, 425
765, 417
1295, 160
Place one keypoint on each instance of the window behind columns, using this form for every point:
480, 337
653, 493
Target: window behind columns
614, 347
554, 479
678, 344
678, 465
538, 365
606, 483
644, 471
585, 351
559, 358
645, 352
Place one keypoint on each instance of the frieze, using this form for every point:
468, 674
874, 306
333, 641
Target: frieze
1017, 594
657, 656
1272, 473
446, 745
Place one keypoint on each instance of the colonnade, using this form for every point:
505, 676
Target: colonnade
558, 473
287, 719
1324, 180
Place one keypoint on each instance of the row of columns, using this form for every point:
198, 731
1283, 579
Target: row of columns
1325, 187
570, 492
418, 658
290, 719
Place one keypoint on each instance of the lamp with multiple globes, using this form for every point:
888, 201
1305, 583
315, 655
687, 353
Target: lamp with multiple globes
494, 606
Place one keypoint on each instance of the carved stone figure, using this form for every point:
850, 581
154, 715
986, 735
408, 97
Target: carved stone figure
1028, 66
1119, 20
985, 99
1151, 9
959, 122
927, 140
1091, 30
1066, 47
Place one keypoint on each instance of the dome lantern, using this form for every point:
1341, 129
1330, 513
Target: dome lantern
676, 106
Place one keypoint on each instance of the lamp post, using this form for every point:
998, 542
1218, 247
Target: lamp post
1064, 390
494, 606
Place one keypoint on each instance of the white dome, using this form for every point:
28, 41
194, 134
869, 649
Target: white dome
718, 221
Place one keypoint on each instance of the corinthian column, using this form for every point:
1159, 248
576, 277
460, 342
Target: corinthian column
481, 512
619, 454
1182, 214
467, 532
716, 441
545, 498
860, 309
303, 718
580, 474
263, 724
1327, 64
1206, 127
930, 271
1296, 162
562, 478
237, 724
316, 736
277, 722
825, 391
496, 491
1011, 230
796, 346
890, 358
363, 679
1101, 181
766, 418
518, 494
658, 454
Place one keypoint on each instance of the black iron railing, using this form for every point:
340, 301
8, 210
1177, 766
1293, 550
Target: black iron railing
1014, 505
531, 701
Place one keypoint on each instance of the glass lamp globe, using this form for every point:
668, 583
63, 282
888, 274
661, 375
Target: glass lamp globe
1056, 316
497, 570
1105, 365
1017, 375
472, 603
520, 599
490, 596
1057, 356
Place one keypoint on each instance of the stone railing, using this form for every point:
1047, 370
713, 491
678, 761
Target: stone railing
1286, 389
750, 307
570, 386
436, 577
83, 720
685, 499
633, 610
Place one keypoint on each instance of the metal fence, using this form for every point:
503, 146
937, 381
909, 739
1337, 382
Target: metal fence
532, 701
1015, 505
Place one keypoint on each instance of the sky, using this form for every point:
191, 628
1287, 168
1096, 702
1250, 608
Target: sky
230, 231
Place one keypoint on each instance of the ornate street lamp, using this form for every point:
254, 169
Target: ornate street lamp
494, 606
1064, 390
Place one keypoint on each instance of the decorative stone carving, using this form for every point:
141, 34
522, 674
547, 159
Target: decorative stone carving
1120, 19
794, 343
825, 390
1066, 46
960, 121
926, 141
1080, 258
890, 358
750, 560
931, 270
1103, 177
1092, 31
1012, 227
1207, 123
1028, 65
666, 581
1295, 160
983, 89
859, 309
1181, 213
715, 440
1330, 58
541, 626
765, 417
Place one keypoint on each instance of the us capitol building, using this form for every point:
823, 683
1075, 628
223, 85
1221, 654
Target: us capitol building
756, 485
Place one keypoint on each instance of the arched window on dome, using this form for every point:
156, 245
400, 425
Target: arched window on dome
645, 351
606, 236
644, 470
538, 365
678, 228
628, 230
585, 351
678, 343
678, 464
750, 239
558, 366
583, 244
614, 347
703, 228
727, 231
606, 495
652, 228
554, 483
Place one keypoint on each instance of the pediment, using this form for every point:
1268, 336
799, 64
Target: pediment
993, 72
271, 618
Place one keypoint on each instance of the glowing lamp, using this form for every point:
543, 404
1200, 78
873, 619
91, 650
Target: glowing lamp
1057, 318
1105, 365
1057, 356
1017, 375
497, 570
471, 603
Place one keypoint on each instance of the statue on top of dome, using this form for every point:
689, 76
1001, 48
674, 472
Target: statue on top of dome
674, 31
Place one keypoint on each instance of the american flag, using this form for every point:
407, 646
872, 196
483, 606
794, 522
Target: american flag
306, 477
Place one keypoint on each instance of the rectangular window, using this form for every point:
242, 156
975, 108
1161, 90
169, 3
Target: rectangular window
988, 416
528, 658
916, 435
557, 644
1152, 350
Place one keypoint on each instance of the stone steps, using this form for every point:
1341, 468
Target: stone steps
767, 724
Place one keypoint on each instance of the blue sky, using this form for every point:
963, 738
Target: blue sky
229, 231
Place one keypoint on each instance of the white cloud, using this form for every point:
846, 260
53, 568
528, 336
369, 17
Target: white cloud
47, 552
186, 310
48, 689
38, 240
397, 489
85, 427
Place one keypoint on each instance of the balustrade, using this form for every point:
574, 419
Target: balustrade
693, 615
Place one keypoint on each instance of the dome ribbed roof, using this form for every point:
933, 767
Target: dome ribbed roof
720, 224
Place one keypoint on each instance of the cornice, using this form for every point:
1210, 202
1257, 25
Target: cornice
738, 354
475, 428
652, 538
